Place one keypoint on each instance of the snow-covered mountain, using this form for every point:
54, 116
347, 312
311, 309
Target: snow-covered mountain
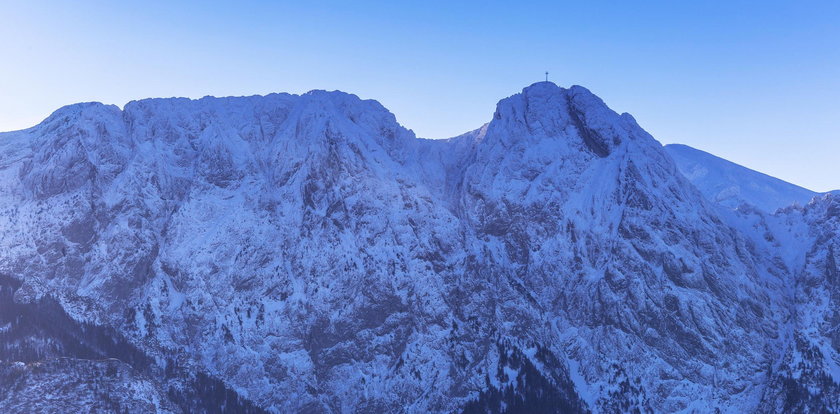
308, 254
731, 185
65, 385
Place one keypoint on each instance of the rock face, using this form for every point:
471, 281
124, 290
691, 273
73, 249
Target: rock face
309, 254
70, 385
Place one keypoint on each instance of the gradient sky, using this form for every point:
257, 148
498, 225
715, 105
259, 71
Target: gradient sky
755, 82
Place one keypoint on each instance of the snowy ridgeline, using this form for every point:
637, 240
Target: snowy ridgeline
308, 254
732, 185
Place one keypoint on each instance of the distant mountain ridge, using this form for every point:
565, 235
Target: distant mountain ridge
731, 185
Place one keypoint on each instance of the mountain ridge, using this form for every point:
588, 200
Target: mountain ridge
731, 184
315, 256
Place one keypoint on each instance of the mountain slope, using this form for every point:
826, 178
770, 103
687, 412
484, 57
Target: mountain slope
731, 185
618, 254
67, 385
309, 254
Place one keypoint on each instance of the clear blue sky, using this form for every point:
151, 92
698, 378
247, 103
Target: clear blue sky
755, 82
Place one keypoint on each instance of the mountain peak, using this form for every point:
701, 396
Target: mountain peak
90, 110
541, 87
575, 114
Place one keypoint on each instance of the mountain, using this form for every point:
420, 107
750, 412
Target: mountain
810, 370
69, 385
802, 226
307, 253
731, 185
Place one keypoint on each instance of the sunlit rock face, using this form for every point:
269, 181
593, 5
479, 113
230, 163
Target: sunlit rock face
307, 253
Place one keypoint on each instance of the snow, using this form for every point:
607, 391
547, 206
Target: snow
730, 184
315, 255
